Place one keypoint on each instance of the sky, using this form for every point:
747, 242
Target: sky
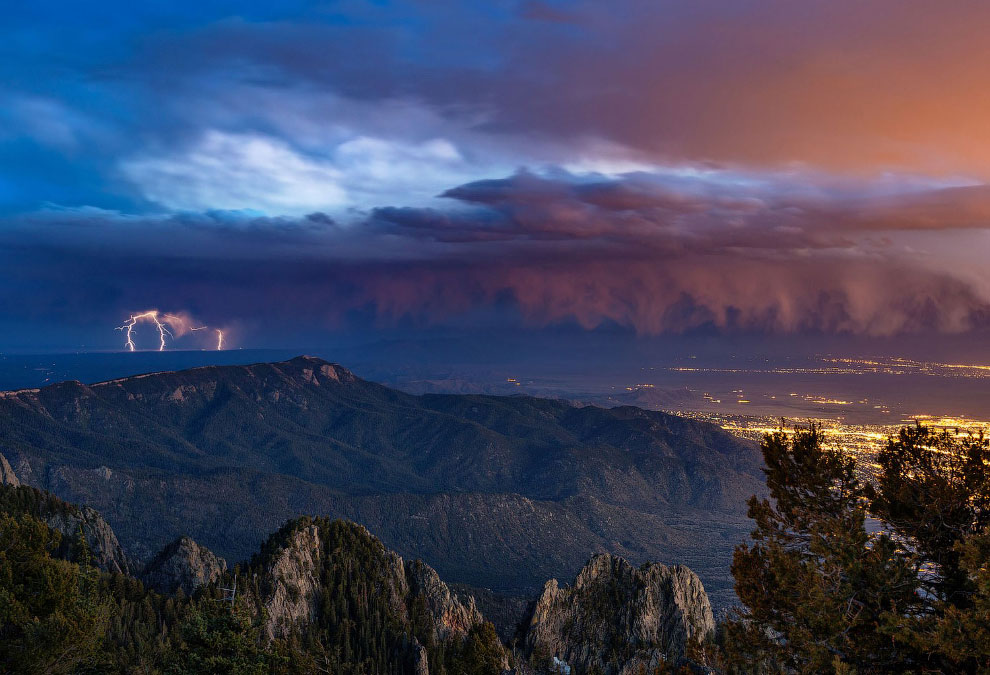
293, 171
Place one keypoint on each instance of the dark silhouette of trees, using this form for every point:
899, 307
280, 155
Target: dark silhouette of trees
65, 616
52, 617
822, 592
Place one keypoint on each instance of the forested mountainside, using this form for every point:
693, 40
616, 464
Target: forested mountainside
319, 596
498, 492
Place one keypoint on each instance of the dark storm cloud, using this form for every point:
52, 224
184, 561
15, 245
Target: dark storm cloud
541, 249
751, 166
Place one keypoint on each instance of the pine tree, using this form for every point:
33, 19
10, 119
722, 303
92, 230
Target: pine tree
52, 619
217, 639
821, 594
933, 492
818, 590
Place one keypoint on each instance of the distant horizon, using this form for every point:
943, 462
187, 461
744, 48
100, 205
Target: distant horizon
839, 388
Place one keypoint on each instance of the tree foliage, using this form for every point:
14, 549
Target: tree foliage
217, 639
52, 618
64, 616
823, 592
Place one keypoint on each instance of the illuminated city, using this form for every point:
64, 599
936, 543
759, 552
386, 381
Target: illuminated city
857, 402
858, 425
860, 440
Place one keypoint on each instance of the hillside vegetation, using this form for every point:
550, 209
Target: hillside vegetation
531, 486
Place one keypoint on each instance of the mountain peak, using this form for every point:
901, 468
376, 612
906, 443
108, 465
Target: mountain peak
653, 610
306, 358
313, 365
183, 564
304, 366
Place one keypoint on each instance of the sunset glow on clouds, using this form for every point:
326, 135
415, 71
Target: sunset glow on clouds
772, 166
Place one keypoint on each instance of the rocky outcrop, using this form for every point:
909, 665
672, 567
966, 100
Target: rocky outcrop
183, 564
102, 548
106, 552
617, 619
294, 591
421, 662
317, 573
7, 475
452, 617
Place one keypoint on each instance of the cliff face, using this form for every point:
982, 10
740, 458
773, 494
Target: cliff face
104, 549
294, 576
100, 538
617, 619
452, 617
183, 564
293, 591
7, 475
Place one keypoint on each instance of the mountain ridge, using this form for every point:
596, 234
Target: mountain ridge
235, 450
329, 592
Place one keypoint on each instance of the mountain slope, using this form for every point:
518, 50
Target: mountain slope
227, 454
70, 521
320, 596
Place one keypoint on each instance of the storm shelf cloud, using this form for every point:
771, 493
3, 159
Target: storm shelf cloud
629, 250
732, 167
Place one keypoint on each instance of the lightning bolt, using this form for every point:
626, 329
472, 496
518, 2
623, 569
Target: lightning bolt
152, 316
168, 325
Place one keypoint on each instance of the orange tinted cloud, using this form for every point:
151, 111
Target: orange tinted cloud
838, 84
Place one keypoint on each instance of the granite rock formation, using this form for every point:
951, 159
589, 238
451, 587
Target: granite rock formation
185, 565
616, 618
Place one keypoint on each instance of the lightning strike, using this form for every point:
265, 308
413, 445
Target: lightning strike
170, 326
152, 316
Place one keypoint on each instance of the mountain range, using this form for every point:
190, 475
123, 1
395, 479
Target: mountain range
319, 596
498, 492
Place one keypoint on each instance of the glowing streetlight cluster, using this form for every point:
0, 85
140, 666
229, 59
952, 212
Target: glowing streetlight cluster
167, 325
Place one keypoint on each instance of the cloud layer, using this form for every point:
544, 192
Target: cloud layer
648, 252
671, 167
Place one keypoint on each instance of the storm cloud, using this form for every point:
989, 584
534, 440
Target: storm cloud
815, 167
638, 251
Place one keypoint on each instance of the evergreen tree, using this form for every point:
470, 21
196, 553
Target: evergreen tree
818, 590
217, 639
822, 594
934, 492
52, 618
481, 653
